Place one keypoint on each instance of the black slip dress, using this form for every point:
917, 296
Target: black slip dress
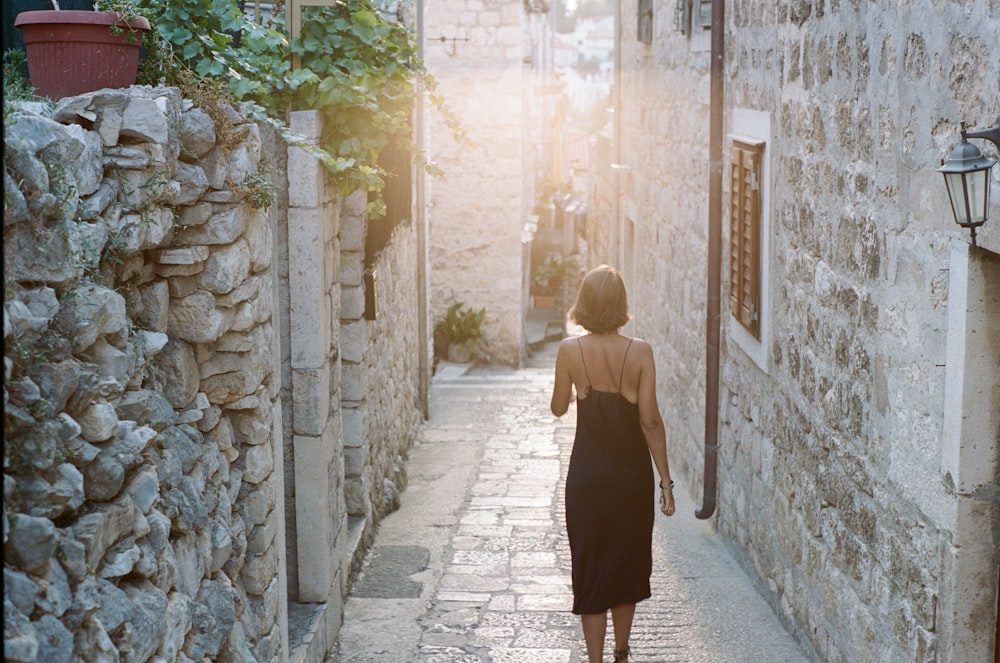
609, 502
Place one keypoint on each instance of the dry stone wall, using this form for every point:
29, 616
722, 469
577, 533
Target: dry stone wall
380, 395
173, 384
141, 474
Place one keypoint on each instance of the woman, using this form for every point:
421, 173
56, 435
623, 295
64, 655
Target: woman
609, 486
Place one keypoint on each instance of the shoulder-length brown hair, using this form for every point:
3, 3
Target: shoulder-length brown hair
601, 303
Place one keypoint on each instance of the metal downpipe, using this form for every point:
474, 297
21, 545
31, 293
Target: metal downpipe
713, 307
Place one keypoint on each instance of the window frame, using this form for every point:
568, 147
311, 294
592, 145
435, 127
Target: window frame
754, 126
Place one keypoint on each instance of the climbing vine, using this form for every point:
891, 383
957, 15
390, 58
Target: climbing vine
359, 68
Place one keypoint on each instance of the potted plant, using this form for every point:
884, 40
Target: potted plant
72, 52
548, 278
455, 334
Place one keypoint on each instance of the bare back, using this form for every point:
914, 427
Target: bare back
605, 362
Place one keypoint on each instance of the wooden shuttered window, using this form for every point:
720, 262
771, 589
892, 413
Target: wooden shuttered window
746, 180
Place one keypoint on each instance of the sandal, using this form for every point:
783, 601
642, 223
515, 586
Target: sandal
622, 655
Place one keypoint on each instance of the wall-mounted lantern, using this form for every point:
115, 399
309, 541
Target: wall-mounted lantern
967, 177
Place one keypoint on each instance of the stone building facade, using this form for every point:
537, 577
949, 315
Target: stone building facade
485, 57
188, 379
859, 436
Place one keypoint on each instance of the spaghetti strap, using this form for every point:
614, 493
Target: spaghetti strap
624, 359
589, 385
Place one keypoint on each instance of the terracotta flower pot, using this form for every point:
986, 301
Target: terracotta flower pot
544, 301
73, 52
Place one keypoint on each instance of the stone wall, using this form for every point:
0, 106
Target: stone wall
173, 384
858, 441
663, 204
848, 426
476, 208
352, 392
140, 468
597, 241
381, 399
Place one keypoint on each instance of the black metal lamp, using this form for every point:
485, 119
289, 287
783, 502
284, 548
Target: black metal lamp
967, 177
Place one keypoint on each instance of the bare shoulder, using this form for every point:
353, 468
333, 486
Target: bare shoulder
641, 352
641, 348
568, 341
567, 350
567, 344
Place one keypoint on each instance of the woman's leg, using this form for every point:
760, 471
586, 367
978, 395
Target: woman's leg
594, 628
621, 621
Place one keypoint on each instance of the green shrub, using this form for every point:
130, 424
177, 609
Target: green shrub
15, 83
459, 326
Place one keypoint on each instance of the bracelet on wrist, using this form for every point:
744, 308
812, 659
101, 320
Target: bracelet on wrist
670, 487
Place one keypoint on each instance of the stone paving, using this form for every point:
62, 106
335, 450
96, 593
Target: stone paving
474, 567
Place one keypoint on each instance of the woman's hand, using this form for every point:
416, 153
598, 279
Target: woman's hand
667, 498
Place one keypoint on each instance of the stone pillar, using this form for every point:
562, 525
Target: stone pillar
970, 457
314, 300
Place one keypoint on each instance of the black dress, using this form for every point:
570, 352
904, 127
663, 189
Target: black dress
609, 502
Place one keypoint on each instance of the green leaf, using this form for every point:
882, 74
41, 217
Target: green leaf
366, 18
358, 67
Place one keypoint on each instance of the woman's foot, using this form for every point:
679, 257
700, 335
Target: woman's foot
621, 655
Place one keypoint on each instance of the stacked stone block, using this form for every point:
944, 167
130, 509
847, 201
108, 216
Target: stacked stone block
380, 364
354, 344
392, 384
850, 446
142, 462
163, 338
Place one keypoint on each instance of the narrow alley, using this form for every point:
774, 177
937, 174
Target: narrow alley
475, 567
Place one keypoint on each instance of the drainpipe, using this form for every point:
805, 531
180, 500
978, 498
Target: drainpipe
423, 256
712, 313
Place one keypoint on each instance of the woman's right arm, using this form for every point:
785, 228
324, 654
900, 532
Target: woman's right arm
653, 428
562, 390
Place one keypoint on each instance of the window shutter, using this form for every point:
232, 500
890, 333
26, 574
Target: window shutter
645, 21
744, 233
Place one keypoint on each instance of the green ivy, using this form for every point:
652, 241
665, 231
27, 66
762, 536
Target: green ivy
358, 67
